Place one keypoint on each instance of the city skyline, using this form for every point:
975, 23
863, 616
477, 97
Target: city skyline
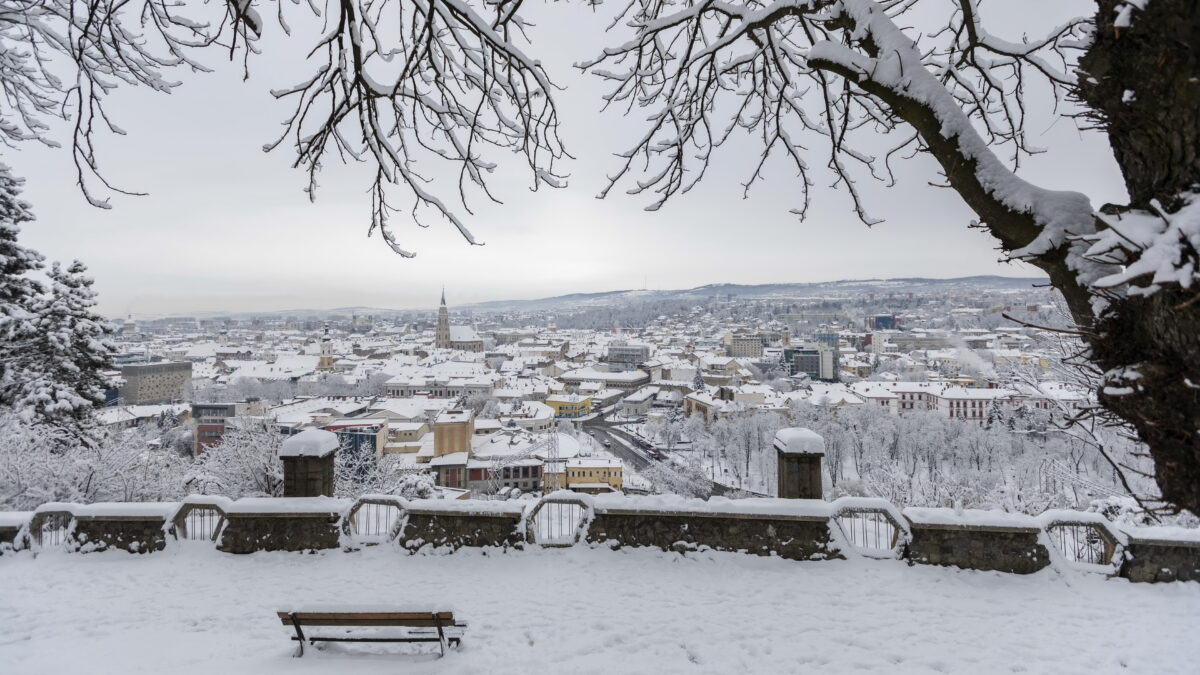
226, 227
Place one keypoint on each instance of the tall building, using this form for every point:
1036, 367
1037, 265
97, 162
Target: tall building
463, 338
326, 360
745, 346
155, 382
442, 338
817, 360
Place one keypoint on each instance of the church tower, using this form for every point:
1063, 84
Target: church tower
442, 339
326, 361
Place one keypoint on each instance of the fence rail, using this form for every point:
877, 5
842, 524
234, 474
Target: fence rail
373, 521
869, 530
556, 523
199, 523
52, 529
1081, 543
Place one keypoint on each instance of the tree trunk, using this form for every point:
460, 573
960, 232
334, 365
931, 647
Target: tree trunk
1143, 84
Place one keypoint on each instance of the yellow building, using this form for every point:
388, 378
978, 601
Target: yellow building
594, 475
569, 406
405, 436
452, 431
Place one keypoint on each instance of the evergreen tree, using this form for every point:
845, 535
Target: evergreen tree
18, 292
698, 380
995, 415
62, 380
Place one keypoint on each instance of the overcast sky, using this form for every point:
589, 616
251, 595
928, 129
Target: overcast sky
226, 226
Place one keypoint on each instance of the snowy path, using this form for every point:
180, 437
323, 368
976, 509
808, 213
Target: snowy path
584, 611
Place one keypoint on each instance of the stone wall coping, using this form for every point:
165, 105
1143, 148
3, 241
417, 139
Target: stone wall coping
675, 513
14, 519
283, 514
287, 506
100, 517
113, 510
980, 517
480, 507
973, 527
768, 507
460, 513
1159, 540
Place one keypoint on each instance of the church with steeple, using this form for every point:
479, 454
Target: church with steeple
462, 338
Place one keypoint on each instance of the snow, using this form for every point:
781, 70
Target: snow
192, 612
209, 500
14, 518
288, 505
1163, 533
796, 508
1160, 247
466, 506
799, 441
976, 517
311, 442
1052, 516
162, 510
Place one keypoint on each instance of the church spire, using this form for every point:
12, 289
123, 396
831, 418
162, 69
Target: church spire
442, 336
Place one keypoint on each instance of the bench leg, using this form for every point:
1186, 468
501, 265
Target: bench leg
299, 635
441, 633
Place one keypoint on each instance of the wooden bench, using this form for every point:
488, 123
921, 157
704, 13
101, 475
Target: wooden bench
437, 627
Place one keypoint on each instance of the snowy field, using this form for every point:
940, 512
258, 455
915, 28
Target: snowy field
584, 610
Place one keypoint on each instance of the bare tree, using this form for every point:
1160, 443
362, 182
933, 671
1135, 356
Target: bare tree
795, 72
398, 84
443, 81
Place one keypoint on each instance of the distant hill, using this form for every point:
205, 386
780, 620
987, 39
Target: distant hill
763, 291
820, 289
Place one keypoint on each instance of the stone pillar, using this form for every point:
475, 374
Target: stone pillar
799, 452
308, 463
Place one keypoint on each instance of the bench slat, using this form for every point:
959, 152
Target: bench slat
304, 617
433, 639
408, 622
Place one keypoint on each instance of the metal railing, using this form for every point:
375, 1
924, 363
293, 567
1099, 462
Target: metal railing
53, 529
557, 523
1081, 543
200, 523
373, 521
868, 530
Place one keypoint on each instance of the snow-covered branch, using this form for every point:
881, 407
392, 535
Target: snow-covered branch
397, 84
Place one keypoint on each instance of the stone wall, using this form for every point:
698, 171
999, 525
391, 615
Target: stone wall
8, 538
1160, 560
795, 538
249, 532
455, 529
136, 535
978, 547
792, 529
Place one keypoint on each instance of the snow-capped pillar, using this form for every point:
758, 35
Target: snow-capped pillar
799, 452
308, 463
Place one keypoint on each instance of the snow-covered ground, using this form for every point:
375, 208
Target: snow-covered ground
585, 610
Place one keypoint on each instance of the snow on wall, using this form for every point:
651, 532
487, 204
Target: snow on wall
15, 518
715, 506
296, 505
970, 517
